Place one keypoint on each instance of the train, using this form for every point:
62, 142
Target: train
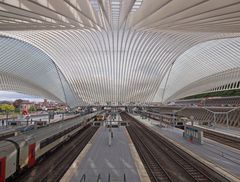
21, 152
169, 119
100, 117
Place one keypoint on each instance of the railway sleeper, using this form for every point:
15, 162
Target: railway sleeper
181, 155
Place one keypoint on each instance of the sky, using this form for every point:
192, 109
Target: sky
12, 96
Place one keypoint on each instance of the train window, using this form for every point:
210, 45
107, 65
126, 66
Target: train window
51, 139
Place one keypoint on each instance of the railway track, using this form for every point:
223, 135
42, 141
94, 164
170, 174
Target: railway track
218, 137
53, 167
153, 166
221, 138
163, 160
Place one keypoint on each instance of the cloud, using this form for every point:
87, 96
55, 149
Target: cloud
11, 96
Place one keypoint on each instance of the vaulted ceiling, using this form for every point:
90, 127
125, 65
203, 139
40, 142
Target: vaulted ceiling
86, 51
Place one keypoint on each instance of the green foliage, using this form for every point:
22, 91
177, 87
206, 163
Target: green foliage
7, 108
225, 93
17, 110
32, 109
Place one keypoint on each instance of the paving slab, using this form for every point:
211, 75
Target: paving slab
105, 160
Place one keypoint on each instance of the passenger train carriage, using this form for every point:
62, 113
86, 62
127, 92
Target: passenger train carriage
20, 152
169, 119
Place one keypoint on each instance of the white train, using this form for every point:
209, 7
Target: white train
176, 121
17, 153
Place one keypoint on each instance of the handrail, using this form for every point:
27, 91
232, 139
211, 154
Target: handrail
83, 178
99, 178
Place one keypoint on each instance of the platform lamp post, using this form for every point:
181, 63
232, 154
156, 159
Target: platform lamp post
63, 116
6, 117
110, 133
50, 116
174, 115
111, 127
27, 117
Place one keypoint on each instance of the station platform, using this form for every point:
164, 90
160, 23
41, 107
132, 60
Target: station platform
218, 155
104, 161
114, 121
9, 130
118, 118
234, 132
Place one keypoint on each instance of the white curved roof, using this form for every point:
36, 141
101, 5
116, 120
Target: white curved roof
86, 51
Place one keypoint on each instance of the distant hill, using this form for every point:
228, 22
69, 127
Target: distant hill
225, 93
5, 102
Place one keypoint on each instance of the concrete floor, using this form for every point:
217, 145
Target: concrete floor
103, 159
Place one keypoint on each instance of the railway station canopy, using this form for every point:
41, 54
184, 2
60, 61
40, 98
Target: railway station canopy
87, 51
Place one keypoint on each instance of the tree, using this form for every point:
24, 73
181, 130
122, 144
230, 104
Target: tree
224, 93
17, 103
32, 108
7, 108
17, 110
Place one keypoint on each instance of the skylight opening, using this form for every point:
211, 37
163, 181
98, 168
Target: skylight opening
136, 5
95, 5
115, 7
